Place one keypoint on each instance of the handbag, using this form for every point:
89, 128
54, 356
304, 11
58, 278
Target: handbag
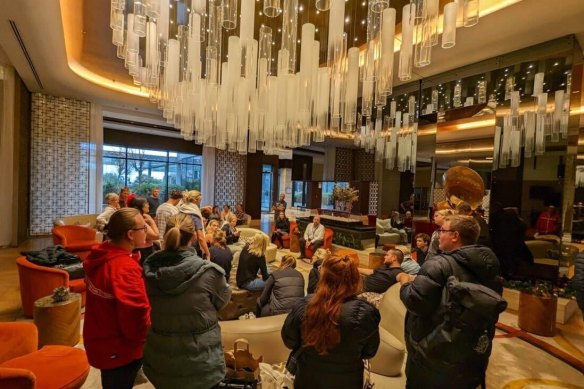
240, 365
367, 384
292, 363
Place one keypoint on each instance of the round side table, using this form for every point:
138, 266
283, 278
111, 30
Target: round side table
58, 323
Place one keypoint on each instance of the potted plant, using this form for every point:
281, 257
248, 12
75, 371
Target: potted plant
537, 308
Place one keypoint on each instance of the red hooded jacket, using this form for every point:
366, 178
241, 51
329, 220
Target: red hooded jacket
117, 311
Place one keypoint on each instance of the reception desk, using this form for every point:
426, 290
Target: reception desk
347, 232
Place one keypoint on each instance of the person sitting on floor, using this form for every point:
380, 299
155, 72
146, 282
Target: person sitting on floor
422, 245
318, 258
379, 280
251, 261
284, 288
282, 229
220, 254
313, 236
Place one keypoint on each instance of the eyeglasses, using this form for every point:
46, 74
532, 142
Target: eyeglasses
145, 228
441, 230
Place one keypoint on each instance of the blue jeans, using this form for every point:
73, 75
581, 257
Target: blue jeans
253, 285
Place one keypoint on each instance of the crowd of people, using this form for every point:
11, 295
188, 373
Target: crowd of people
157, 282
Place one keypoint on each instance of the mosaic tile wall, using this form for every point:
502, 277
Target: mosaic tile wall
343, 164
373, 194
364, 165
59, 173
230, 170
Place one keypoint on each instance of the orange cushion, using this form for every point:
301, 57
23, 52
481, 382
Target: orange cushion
77, 286
54, 366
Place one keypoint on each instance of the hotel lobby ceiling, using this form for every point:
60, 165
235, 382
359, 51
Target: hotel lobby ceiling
42, 27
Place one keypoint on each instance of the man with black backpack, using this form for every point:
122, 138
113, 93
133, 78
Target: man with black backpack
453, 305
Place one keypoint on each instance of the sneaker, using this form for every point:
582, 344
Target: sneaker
245, 316
251, 315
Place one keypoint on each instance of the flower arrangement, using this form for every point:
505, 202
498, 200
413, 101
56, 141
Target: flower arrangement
345, 197
347, 194
561, 288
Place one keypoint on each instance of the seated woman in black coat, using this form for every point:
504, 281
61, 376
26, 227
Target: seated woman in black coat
252, 261
284, 288
333, 330
231, 233
282, 229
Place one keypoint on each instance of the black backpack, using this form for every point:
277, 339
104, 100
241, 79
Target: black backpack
465, 320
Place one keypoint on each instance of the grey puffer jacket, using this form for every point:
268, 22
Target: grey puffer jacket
183, 346
284, 287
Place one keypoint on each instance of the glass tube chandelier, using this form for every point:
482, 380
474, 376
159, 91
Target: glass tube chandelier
174, 50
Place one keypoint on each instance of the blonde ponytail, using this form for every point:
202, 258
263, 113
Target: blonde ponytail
179, 232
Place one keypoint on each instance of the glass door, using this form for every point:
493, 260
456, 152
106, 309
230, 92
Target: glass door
267, 176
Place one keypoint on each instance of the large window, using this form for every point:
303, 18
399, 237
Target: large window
141, 170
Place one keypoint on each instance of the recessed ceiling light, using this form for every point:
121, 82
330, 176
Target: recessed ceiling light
347, 19
300, 8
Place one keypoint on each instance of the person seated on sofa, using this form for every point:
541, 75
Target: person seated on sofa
183, 347
251, 261
379, 280
212, 226
220, 254
422, 245
113, 204
319, 256
231, 233
215, 214
226, 211
284, 288
313, 236
240, 214
282, 229
408, 265
332, 331
397, 226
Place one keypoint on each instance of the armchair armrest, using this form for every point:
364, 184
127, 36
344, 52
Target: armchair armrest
17, 339
16, 378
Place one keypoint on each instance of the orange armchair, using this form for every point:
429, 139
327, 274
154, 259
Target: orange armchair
75, 239
22, 366
328, 242
286, 238
39, 281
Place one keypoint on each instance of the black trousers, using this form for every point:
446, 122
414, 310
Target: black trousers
278, 236
121, 377
315, 246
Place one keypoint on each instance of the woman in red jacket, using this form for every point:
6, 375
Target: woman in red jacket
117, 312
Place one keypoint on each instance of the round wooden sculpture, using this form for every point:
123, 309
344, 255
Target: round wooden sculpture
58, 323
462, 184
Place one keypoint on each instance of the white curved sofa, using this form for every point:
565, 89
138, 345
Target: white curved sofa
246, 233
265, 339
263, 335
381, 225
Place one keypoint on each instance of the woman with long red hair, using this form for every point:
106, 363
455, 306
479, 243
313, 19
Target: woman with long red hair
332, 331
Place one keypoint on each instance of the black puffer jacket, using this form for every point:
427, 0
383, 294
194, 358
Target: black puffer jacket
342, 367
578, 280
282, 291
422, 299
